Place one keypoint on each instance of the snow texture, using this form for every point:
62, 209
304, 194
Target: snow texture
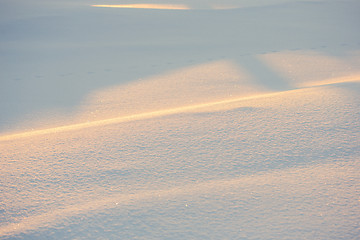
225, 120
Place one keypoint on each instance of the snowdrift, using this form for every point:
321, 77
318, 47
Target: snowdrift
218, 120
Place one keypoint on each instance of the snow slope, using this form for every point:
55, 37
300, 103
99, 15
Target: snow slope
206, 123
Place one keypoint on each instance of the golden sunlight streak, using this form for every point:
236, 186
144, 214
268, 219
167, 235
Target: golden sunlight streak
209, 84
214, 85
146, 6
134, 117
202, 107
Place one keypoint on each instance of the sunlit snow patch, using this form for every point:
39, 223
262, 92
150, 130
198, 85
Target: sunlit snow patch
146, 6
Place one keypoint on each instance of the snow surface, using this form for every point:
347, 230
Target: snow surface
228, 120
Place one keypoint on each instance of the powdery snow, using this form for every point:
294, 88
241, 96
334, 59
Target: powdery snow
180, 124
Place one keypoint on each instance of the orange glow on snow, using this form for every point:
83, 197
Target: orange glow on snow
197, 87
134, 117
146, 6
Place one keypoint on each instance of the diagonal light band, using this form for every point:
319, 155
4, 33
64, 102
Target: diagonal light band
147, 6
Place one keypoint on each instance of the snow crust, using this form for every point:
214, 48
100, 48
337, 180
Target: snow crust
226, 120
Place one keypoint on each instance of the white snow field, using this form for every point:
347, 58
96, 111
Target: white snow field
180, 119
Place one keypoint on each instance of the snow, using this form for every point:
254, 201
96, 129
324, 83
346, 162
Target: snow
227, 120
